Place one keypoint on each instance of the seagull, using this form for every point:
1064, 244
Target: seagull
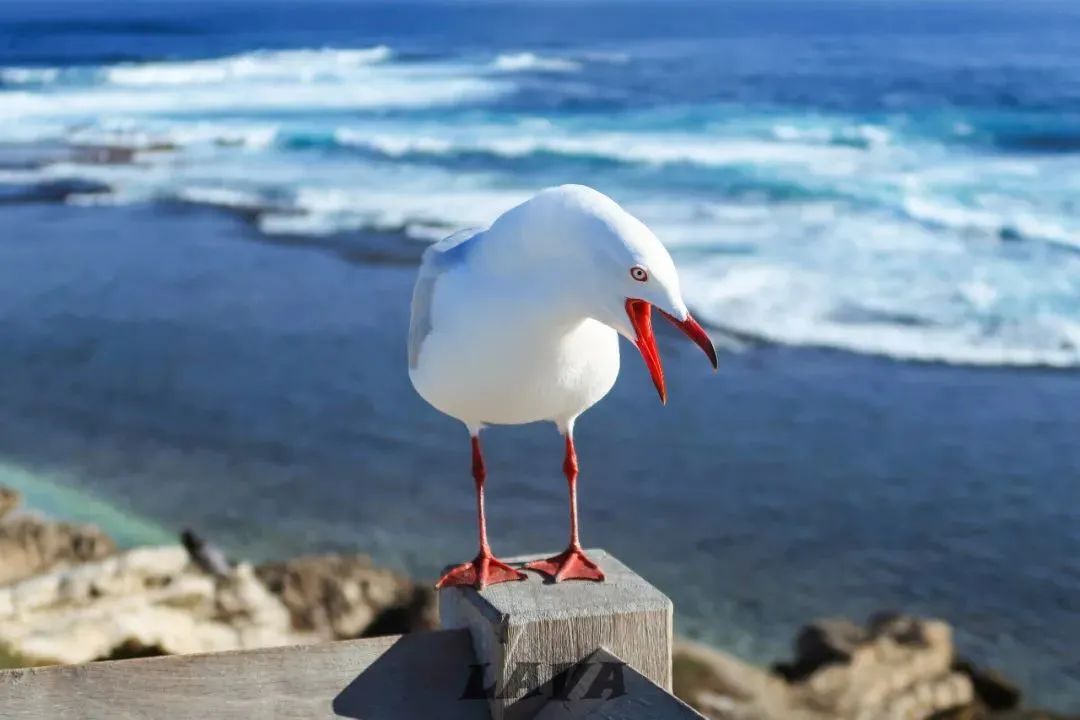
519, 323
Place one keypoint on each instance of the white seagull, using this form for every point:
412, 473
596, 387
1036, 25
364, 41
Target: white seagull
520, 322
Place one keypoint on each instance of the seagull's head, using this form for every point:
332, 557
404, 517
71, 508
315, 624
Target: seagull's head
635, 275
625, 271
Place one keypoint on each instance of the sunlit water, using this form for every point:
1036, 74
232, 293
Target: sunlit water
888, 178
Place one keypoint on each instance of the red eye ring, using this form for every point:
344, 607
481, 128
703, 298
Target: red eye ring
639, 273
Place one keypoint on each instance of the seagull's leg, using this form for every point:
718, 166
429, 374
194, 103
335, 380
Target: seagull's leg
484, 569
572, 563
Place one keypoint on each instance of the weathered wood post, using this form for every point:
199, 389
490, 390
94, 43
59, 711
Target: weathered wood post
526, 634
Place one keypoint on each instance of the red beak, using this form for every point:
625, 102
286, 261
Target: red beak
640, 313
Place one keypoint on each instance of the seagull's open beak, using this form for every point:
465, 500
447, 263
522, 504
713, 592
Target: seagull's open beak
640, 313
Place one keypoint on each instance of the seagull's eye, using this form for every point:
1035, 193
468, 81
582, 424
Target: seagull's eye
639, 273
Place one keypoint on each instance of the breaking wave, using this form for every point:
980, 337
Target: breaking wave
781, 304
945, 239
531, 62
308, 65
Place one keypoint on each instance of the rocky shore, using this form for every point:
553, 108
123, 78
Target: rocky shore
894, 667
68, 595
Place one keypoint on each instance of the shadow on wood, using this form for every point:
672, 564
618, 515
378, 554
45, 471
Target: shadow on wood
420, 676
603, 686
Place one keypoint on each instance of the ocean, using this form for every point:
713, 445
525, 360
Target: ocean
210, 215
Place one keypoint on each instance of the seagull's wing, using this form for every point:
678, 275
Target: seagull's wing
438, 259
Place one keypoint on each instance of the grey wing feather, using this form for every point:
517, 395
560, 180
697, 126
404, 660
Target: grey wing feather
437, 259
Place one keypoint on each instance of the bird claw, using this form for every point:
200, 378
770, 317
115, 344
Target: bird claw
482, 571
570, 564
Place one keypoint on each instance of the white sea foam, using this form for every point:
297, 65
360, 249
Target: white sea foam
158, 134
28, 75
301, 65
793, 307
862, 134
531, 62
655, 148
19, 176
383, 209
881, 300
380, 92
891, 259
308, 224
221, 197
297, 80
1024, 223
763, 270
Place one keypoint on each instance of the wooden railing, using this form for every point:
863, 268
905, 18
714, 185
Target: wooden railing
513, 651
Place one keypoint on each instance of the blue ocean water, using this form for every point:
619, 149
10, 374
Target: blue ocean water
896, 178
875, 178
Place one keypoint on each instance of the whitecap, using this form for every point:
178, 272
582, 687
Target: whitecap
221, 197
152, 134
782, 304
379, 92
531, 62
307, 224
302, 65
655, 148
863, 135
998, 224
382, 209
28, 75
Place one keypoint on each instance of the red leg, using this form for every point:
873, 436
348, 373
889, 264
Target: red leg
484, 568
572, 563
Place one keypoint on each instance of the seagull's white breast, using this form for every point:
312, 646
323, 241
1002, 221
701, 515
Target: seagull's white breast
499, 350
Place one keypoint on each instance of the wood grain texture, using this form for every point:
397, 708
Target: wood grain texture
530, 631
413, 676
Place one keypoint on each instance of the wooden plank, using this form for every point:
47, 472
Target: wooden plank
412, 676
606, 688
530, 631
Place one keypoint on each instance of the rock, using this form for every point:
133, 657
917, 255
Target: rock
31, 545
720, 685
9, 500
895, 667
144, 601
903, 669
993, 689
901, 628
151, 601
821, 643
344, 596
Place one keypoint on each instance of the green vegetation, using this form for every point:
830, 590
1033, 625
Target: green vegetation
10, 659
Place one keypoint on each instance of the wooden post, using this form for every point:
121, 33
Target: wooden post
528, 633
